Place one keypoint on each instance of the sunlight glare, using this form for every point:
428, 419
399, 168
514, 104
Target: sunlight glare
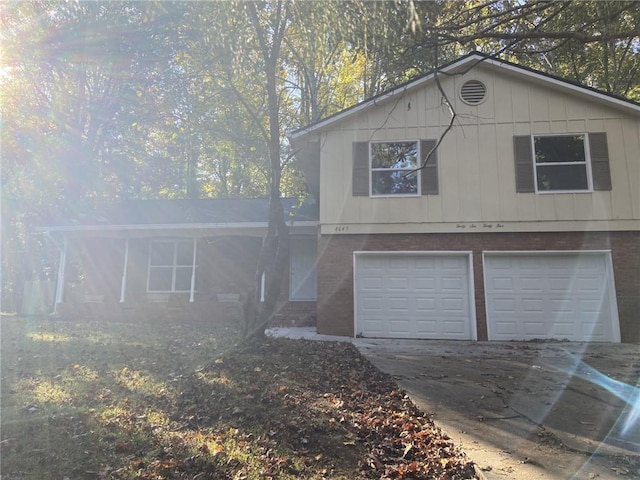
627, 393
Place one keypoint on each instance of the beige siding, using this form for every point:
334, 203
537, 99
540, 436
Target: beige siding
476, 166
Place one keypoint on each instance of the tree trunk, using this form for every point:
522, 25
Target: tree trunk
274, 254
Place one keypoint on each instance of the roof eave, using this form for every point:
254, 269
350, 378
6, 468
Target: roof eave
303, 132
459, 64
168, 227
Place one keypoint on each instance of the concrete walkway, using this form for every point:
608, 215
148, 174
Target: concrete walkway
521, 410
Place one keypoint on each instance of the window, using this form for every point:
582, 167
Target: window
427, 176
170, 266
561, 163
392, 168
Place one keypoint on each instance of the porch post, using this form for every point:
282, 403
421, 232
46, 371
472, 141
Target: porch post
123, 284
193, 271
60, 279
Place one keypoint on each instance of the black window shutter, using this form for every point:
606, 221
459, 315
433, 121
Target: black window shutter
429, 174
523, 164
600, 171
360, 179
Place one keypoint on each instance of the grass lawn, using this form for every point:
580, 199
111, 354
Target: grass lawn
154, 401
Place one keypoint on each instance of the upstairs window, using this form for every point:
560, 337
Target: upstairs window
561, 163
392, 168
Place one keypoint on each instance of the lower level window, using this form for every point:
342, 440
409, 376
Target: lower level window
170, 266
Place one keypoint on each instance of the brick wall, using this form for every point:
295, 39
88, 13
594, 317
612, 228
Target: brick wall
335, 268
226, 265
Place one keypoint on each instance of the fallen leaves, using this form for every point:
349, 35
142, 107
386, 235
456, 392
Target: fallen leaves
314, 399
285, 409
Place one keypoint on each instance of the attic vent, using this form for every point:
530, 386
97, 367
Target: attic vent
473, 92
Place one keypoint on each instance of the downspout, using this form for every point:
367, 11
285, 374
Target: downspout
60, 279
123, 285
193, 271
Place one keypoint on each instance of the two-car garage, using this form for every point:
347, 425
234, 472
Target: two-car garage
564, 295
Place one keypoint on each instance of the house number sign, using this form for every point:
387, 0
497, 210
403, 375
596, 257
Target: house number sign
480, 225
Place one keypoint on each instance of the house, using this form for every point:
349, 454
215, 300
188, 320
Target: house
523, 224
180, 259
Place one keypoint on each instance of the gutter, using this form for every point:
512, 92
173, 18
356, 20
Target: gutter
171, 226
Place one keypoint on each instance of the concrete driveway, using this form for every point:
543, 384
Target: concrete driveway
522, 410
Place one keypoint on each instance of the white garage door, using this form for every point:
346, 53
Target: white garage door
413, 295
558, 295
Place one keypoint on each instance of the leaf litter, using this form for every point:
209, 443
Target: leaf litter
324, 403
284, 409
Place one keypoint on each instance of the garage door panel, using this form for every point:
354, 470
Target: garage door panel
426, 304
398, 283
591, 306
562, 305
417, 295
561, 296
455, 284
425, 283
502, 283
530, 305
534, 329
371, 303
426, 327
452, 327
371, 282
398, 304
506, 305
525, 264
506, 327
588, 285
454, 305
560, 284
530, 284
398, 326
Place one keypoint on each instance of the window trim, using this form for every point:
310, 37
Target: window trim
174, 266
586, 163
418, 173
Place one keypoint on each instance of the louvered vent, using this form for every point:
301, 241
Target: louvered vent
473, 92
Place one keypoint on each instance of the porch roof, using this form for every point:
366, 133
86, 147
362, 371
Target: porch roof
186, 217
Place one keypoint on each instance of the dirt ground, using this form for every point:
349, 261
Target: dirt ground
526, 410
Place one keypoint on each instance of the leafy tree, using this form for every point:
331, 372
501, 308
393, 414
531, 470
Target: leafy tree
592, 42
74, 78
108, 100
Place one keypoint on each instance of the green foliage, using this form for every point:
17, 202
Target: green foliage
109, 100
588, 41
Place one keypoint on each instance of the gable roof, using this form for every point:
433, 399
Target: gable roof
157, 214
462, 65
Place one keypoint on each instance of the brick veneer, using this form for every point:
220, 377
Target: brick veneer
335, 268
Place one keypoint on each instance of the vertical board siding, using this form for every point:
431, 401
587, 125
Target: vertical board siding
489, 172
469, 173
479, 164
631, 169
